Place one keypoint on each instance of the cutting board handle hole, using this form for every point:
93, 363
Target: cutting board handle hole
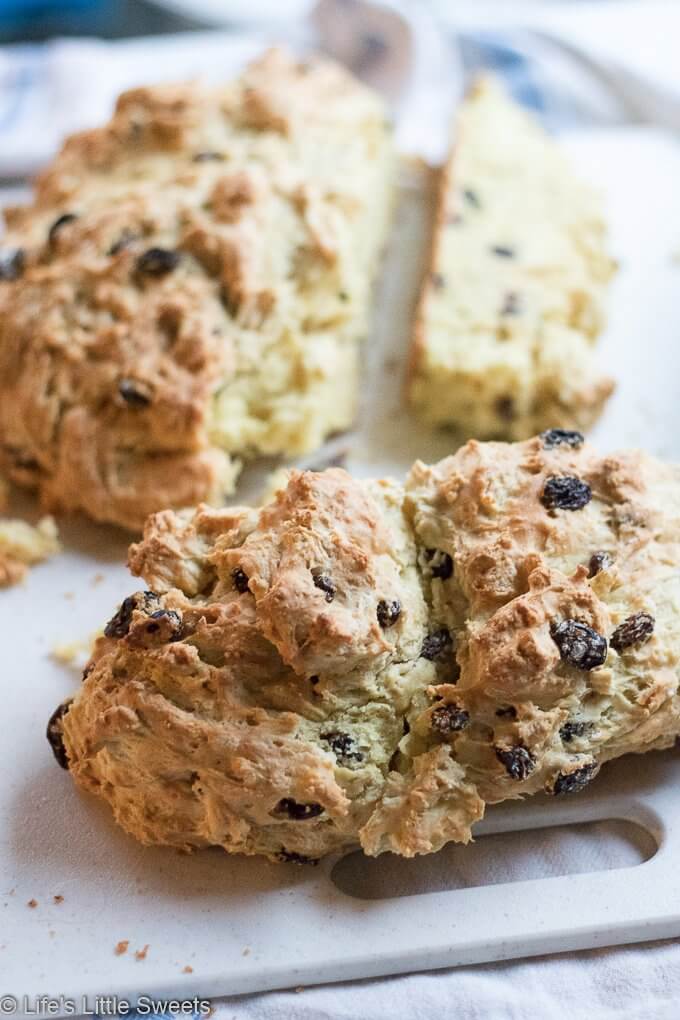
568, 849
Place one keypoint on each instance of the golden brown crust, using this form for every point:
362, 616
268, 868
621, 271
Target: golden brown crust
258, 662
521, 569
187, 290
361, 662
437, 196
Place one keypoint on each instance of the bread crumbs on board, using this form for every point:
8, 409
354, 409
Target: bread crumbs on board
22, 545
74, 653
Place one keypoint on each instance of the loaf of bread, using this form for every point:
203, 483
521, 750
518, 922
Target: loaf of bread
512, 301
369, 663
190, 287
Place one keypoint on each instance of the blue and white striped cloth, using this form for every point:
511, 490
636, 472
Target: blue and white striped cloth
573, 69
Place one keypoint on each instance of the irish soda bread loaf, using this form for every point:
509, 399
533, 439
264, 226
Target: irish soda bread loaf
370, 663
512, 302
190, 286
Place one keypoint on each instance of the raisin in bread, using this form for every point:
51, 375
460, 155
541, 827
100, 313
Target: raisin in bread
369, 663
512, 302
190, 286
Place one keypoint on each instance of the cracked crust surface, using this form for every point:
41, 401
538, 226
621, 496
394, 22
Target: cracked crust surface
512, 302
190, 286
372, 663
278, 699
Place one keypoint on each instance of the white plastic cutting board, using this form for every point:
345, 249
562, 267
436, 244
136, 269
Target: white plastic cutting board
244, 925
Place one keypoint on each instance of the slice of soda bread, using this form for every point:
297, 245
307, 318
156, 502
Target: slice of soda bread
512, 300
